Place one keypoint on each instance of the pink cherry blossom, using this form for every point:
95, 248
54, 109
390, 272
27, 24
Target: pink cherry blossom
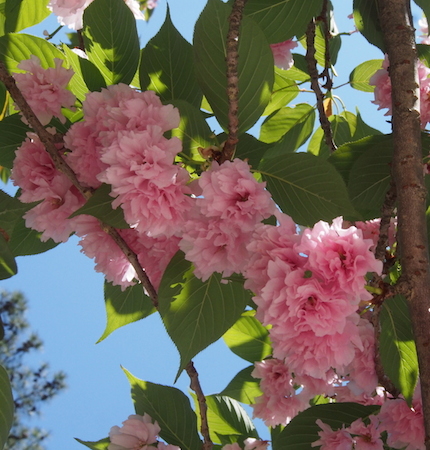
404, 425
136, 433
231, 193
45, 89
366, 437
163, 446
422, 23
282, 54
332, 440
255, 444
70, 12
276, 378
234, 446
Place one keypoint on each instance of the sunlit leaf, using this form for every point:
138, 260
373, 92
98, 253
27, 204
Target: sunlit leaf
22, 14
243, 387
98, 445
360, 76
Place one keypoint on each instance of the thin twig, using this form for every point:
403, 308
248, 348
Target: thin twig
232, 59
327, 36
195, 386
313, 72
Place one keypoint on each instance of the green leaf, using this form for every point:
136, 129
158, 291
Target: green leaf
1, 330
25, 241
124, 307
303, 430
8, 266
243, 387
255, 69
397, 345
103, 444
170, 408
367, 23
282, 19
13, 132
166, 66
285, 90
197, 313
360, 76
14, 48
11, 210
6, 406
423, 51
86, 76
363, 129
283, 120
111, 40
226, 417
22, 14
346, 155
248, 338
193, 131
369, 179
100, 206
306, 187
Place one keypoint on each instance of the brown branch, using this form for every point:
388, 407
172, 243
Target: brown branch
407, 170
384, 226
232, 59
327, 36
313, 73
195, 386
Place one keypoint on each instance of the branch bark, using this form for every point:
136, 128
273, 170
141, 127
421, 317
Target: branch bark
408, 175
232, 59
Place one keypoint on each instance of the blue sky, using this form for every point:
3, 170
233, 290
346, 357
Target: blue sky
66, 295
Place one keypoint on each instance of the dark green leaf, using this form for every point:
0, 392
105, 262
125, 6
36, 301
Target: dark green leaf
303, 430
86, 77
397, 345
363, 129
170, 408
22, 14
306, 187
283, 120
248, 339
25, 241
346, 155
13, 132
124, 307
360, 76
111, 40
7, 261
226, 417
197, 313
14, 48
193, 131
255, 69
100, 206
166, 66
11, 210
282, 19
98, 445
369, 179
423, 51
367, 23
1, 330
6, 406
243, 387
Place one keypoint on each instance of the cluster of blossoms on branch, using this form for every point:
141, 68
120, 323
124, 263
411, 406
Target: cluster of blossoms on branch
309, 286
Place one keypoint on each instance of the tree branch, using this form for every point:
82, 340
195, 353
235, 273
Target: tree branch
195, 386
232, 58
313, 73
407, 170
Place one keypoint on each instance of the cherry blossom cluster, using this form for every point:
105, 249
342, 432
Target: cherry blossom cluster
310, 288
137, 433
404, 426
71, 12
382, 82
